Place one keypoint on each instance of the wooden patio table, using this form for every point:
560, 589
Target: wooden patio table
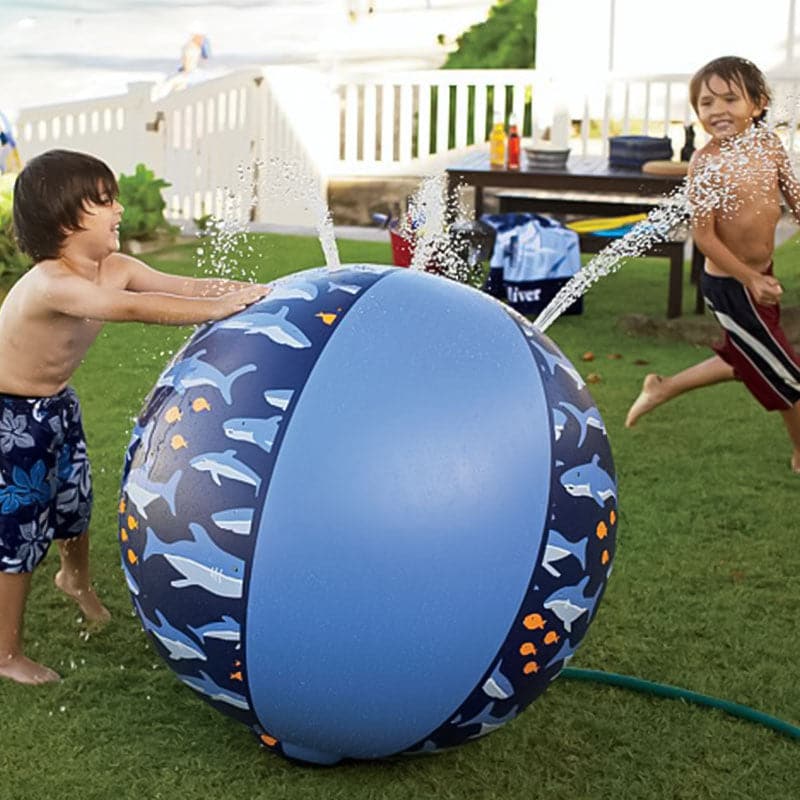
586, 186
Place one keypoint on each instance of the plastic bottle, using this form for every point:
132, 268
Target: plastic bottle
497, 145
512, 157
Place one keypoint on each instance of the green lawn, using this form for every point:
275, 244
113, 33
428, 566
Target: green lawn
705, 595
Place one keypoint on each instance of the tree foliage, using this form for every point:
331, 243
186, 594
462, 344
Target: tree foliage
506, 40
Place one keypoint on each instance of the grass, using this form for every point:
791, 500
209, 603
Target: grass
704, 595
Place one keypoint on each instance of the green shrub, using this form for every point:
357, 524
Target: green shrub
140, 195
506, 40
13, 262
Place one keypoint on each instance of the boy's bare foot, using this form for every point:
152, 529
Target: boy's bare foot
23, 670
648, 399
88, 602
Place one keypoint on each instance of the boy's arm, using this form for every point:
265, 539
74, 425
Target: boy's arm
766, 289
77, 297
787, 180
142, 278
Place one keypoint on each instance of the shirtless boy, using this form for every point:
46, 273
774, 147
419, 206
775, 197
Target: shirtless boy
735, 185
66, 217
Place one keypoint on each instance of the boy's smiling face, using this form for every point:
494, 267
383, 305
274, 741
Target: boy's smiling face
724, 109
100, 222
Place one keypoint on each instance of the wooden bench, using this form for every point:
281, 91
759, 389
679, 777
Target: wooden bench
673, 250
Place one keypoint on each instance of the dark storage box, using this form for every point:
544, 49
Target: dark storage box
633, 151
529, 297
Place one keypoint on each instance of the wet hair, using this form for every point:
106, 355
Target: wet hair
737, 71
51, 193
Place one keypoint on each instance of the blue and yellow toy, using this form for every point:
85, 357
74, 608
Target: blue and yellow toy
372, 514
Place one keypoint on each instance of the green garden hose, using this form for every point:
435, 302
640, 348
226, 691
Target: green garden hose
676, 693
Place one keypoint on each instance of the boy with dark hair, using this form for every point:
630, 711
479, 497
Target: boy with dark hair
67, 216
735, 184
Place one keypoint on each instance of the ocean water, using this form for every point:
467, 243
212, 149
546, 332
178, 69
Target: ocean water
52, 52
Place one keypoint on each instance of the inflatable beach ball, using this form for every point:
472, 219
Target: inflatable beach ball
372, 514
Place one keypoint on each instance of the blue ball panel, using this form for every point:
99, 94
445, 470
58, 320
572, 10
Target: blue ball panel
350, 624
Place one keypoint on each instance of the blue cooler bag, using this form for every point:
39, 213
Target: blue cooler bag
533, 258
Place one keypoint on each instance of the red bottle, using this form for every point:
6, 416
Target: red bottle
512, 149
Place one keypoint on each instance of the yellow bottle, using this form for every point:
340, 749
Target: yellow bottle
497, 146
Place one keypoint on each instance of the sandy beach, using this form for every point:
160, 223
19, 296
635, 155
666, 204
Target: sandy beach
52, 52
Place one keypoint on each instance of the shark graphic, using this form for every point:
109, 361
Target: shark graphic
497, 686
565, 653
129, 579
292, 290
227, 630
350, 288
205, 685
200, 561
193, 371
141, 491
226, 465
235, 520
558, 547
260, 432
485, 719
178, 645
280, 398
559, 421
585, 419
590, 480
274, 326
552, 361
569, 602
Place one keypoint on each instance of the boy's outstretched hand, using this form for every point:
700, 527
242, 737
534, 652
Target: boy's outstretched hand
238, 300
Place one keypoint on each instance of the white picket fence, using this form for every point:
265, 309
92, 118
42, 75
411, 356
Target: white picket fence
240, 145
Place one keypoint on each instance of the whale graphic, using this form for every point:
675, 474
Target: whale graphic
227, 630
178, 645
225, 465
200, 561
585, 419
141, 491
294, 290
569, 602
205, 685
590, 480
558, 547
280, 398
193, 371
235, 520
485, 719
274, 326
260, 432
498, 686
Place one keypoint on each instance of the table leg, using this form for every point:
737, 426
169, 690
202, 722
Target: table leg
675, 295
698, 260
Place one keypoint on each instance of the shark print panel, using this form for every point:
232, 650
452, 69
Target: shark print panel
198, 468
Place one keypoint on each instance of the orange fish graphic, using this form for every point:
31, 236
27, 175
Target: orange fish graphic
612, 517
605, 557
328, 319
177, 441
132, 523
123, 535
269, 741
201, 404
122, 506
530, 667
132, 558
527, 649
236, 676
551, 637
601, 530
173, 414
534, 622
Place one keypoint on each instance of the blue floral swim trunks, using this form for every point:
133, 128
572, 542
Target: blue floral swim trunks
45, 477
